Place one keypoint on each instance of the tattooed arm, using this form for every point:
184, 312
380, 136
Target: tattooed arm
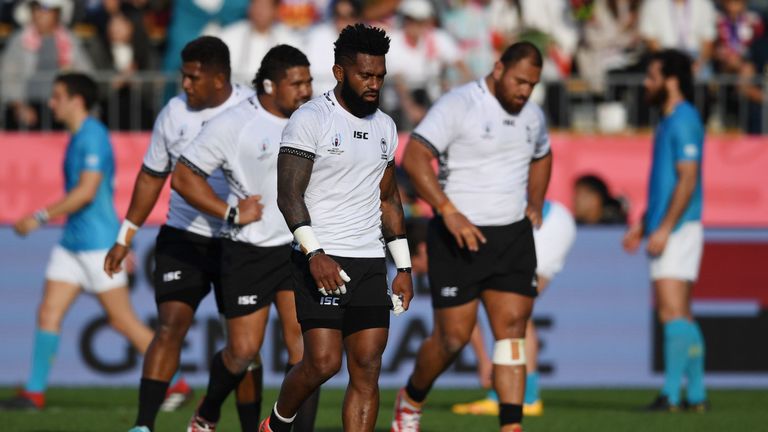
393, 228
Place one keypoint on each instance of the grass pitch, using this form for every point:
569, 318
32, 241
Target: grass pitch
114, 409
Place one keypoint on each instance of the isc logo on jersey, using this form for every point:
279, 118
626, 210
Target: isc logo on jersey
172, 276
329, 301
247, 300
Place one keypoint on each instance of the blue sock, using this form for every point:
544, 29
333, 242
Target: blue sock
676, 342
492, 395
695, 371
532, 387
46, 344
175, 378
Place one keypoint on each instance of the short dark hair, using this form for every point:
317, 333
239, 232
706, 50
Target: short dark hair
522, 50
278, 59
80, 84
210, 52
357, 8
360, 39
677, 64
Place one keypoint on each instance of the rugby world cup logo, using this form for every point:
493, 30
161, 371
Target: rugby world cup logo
336, 145
384, 148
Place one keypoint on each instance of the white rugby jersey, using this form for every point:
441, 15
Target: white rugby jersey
484, 152
174, 129
351, 154
244, 142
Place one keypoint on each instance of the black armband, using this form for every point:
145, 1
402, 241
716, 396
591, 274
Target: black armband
153, 173
297, 152
195, 169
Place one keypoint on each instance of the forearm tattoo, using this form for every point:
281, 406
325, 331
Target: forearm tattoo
293, 174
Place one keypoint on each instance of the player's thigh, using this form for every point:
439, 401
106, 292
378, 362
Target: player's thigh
672, 298
245, 333
174, 318
117, 304
364, 350
543, 283
507, 312
58, 296
285, 302
322, 350
454, 325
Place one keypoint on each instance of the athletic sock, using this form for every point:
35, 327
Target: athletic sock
249, 414
416, 395
492, 395
220, 384
175, 378
532, 387
279, 423
151, 396
676, 342
43, 353
696, 392
510, 414
305, 417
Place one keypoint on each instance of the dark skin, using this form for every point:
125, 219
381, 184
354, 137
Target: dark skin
323, 347
508, 312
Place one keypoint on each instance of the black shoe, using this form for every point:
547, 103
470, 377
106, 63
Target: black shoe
700, 407
18, 403
661, 404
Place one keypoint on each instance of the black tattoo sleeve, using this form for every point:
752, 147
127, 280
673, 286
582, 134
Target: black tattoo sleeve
293, 174
392, 217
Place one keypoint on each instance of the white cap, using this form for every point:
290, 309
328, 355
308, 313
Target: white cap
416, 9
23, 13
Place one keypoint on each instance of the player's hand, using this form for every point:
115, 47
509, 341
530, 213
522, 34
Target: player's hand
402, 288
632, 238
250, 209
657, 241
466, 234
26, 225
534, 215
113, 263
328, 275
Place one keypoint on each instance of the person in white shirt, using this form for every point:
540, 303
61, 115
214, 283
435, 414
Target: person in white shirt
186, 254
244, 142
338, 194
249, 40
495, 161
320, 41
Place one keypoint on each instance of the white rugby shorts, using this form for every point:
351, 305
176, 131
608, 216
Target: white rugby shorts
682, 255
85, 269
554, 240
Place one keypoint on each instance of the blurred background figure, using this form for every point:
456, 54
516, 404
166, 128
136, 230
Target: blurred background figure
250, 39
420, 55
320, 39
469, 22
594, 204
42, 47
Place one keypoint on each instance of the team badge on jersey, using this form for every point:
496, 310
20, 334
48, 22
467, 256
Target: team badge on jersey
336, 145
384, 148
264, 149
487, 129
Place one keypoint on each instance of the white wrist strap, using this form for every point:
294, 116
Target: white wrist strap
306, 239
127, 230
400, 253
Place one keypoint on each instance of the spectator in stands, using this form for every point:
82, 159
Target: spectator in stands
611, 41
192, 18
34, 54
321, 38
469, 22
687, 25
594, 204
301, 14
250, 39
421, 54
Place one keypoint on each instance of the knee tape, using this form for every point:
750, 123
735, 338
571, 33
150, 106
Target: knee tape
509, 352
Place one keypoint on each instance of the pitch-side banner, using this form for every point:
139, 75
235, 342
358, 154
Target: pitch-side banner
595, 321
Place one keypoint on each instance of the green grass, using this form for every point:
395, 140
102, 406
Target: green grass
110, 409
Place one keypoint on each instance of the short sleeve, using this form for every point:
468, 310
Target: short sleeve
438, 127
211, 147
157, 159
686, 143
708, 26
395, 142
94, 151
543, 145
303, 130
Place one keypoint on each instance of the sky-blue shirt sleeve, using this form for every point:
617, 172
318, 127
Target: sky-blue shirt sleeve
687, 142
94, 152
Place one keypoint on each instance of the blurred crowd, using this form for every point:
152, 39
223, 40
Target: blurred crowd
592, 46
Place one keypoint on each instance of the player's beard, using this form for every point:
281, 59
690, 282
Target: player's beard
356, 104
657, 98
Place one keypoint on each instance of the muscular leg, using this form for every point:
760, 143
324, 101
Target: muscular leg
361, 402
286, 309
673, 302
245, 335
248, 395
452, 330
322, 360
508, 314
117, 304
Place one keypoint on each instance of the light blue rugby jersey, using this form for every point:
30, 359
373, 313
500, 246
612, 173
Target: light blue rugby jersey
678, 138
94, 226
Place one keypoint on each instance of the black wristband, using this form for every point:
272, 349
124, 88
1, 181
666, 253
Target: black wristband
395, 237
232, 215
312, 254
404, 270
